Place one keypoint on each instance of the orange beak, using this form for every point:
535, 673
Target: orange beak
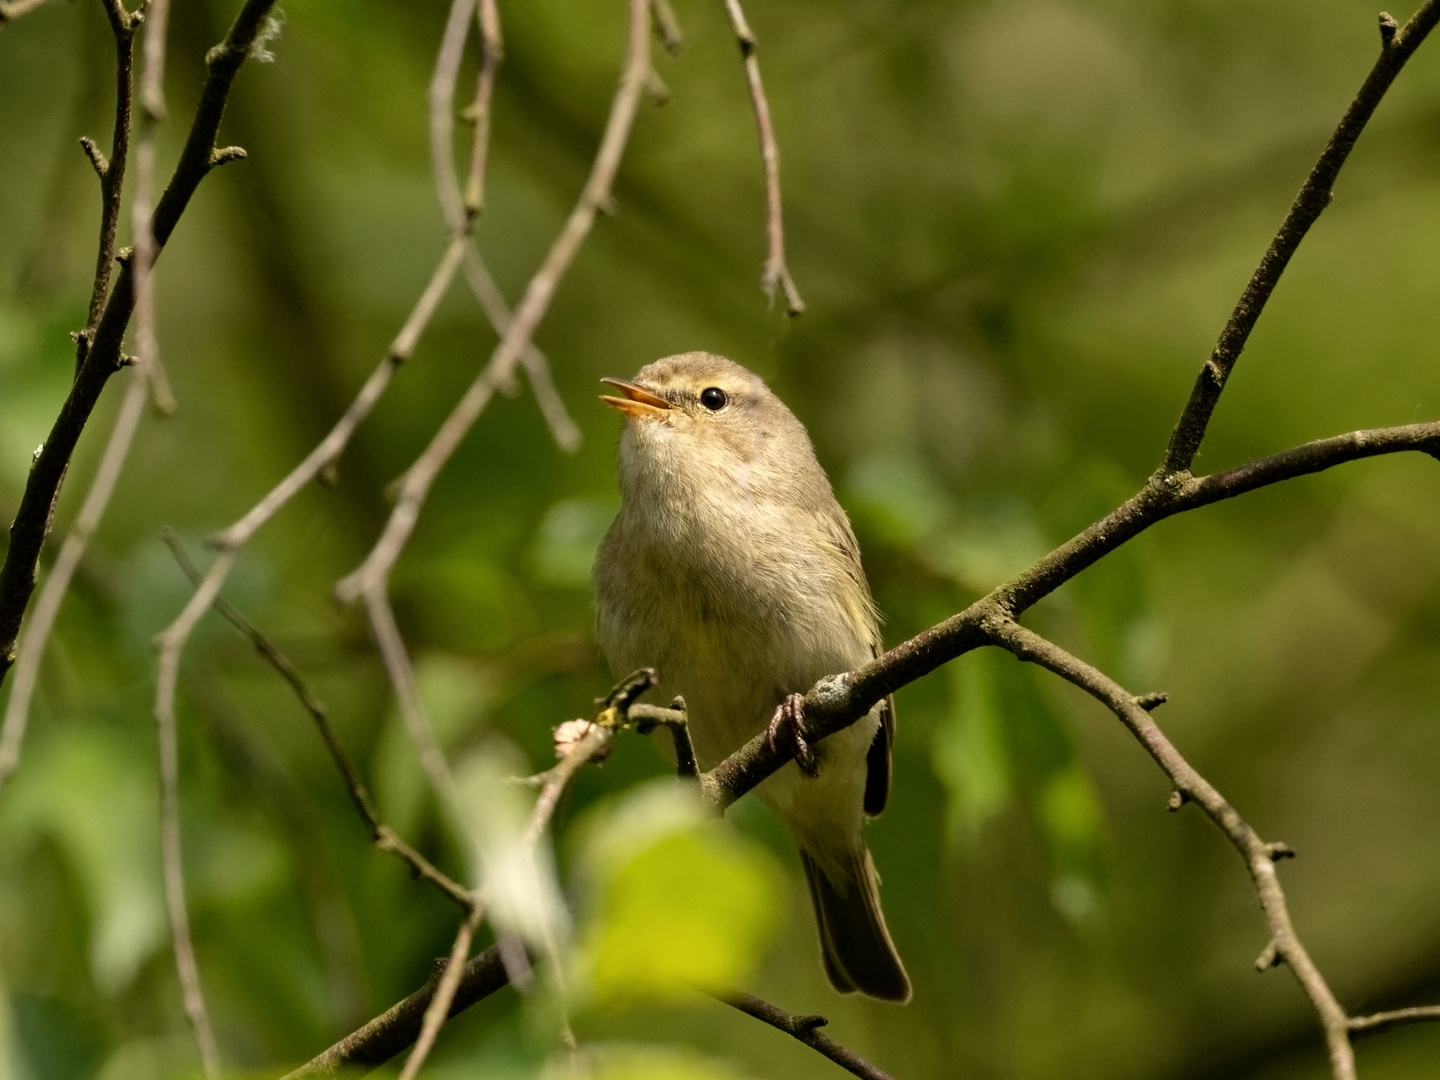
638, 403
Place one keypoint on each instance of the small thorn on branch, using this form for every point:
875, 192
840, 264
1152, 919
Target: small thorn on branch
1388, 29
1151, 702
1177, 799
656, 88
225, 154
1269, 958
96, 155
1279, 850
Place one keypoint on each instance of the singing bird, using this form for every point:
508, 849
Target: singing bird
733, 572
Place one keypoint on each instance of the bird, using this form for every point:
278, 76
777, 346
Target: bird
732, 570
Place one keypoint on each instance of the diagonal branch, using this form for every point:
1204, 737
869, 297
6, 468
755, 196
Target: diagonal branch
777, 272
399, 1026
461, 209
837, 701
384, 837
420, 477
804, 1028
1398, 44
1260, 857
102, 357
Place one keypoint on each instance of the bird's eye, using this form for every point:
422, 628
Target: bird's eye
713, 398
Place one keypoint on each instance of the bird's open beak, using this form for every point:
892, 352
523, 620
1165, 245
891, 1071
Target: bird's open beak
638, 403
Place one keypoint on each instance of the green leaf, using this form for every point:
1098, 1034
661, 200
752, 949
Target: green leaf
680, 900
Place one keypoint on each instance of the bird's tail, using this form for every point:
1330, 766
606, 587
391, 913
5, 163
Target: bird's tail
854, 940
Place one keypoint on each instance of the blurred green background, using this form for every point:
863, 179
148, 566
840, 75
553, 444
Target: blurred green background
1018, 228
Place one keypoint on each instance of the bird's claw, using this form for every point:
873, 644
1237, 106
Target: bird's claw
787, 729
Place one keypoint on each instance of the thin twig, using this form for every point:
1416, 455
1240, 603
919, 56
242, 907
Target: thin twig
399, 1026
101, 358
384, 837
1260, 857
36, 633
438, 1010
1384, 1021
777, 272
1396, 47
13, 9
420, 1016
112, 171
30, 649
157, 16
412, 708
461, 208
804, 1028
667, 26
419, 478
228, 543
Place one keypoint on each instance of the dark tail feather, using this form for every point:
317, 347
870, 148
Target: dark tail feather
854, 941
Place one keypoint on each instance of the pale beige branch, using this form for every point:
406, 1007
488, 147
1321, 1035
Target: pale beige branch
418, 479
777, 271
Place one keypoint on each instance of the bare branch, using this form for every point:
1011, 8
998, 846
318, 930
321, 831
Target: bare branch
667, 26
1397, 46
412, 709
102, 355
777, 272
1260, 858
837, 701
1378, 1022
13, 9
438, 1011
36, 633
419, 478
385, 838
112, 171
399, 1026
462, 208
804, 1028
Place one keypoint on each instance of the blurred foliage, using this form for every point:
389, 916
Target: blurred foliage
1018, 229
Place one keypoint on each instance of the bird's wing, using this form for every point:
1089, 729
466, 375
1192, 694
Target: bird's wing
877, 760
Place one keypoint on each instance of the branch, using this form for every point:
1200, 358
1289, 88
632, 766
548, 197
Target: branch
399, 1026
31, 647
1378, 1022
837, 701
384, 837
419, 478
777, 273
461, 209
1397, 46
1260, 857
112, 172
804, 1028
438, 1011
13, 9
102, 357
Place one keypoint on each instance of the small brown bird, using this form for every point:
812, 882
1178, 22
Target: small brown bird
732, 570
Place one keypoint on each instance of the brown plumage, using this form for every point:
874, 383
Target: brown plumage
732, 570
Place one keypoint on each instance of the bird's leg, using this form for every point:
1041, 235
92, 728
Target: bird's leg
787, 728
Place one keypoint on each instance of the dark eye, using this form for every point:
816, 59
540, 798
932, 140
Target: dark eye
713, 398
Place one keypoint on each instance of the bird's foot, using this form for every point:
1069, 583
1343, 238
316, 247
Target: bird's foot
787, 729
